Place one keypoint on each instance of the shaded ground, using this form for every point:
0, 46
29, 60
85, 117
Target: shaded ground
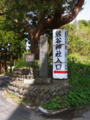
9, 111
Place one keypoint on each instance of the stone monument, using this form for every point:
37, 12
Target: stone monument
43, 61
43, 56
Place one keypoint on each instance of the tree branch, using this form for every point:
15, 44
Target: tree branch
53, 23
26, 25
71, 16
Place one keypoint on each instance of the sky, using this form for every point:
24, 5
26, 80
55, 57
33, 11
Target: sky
85, 13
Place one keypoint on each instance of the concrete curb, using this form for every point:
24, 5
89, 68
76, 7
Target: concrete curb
51, 112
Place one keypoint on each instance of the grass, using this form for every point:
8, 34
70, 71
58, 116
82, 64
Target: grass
79, 78
21, 63
15, 99
12, 95
79, 75
79, 70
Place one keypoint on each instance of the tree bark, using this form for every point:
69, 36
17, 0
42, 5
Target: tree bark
57, 21
35, 39
11, 63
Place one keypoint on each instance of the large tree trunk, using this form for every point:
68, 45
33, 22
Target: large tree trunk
35, 39
35, 47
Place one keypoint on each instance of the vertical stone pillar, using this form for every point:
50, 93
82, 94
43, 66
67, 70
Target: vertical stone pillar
43, 57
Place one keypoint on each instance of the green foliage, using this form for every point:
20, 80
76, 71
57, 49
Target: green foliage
79, 79
36, 9
79, 39
21, 63
12, 45
77, 97
54, 104
35, 64
12, 95
30, 15
79, 75
84, 23
6, 84
79, 70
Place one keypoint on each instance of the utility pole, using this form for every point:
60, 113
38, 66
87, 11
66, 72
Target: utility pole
76, 23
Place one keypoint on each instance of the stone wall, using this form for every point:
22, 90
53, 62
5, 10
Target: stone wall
36, 93
22, 73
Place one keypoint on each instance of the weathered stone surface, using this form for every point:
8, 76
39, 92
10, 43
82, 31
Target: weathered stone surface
16, 89
21, 96
41, 91
43, 70
25, 92
48, 97
37, 93
16, 94
31, 88
42, 81
31, 93
20, 91
52, 89
26, 86
21, 74
46, 89
58, 88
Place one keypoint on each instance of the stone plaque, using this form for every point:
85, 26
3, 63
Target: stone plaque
29, 81
43, 70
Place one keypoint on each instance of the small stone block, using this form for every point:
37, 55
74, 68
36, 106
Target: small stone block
29, 81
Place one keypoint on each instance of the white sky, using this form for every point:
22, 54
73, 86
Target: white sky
85, 13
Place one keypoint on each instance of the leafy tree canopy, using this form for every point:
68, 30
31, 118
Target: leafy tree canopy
35, 10
84, 22
12, 41
36, 16
79, 39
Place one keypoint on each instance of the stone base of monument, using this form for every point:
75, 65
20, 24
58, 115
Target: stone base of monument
37, 89
43, 81
61, 81
38, 93
29, 81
